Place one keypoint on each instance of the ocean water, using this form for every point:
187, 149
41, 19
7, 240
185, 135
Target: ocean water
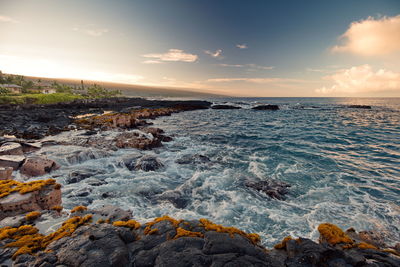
343, 166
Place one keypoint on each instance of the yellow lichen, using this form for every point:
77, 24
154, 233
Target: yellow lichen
57, 208
130, 224
78, 209
180, 232
10, 186
28, 240
149, 225
210, 226
282, 244
364, 245
101, 221
151, 231
31, 216
333, 234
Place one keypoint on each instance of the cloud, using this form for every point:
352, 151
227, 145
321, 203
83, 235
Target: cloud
371, 37
360, 79
173, 55
216, 54
251, 66
152, 62
242, 46
91, 30
8, 19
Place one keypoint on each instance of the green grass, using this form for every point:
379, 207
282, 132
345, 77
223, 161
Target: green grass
39, 98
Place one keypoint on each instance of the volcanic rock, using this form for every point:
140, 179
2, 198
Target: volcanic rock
225, 107
360, 106
13, 161
274, 189
11, 149
148, 163
266, 107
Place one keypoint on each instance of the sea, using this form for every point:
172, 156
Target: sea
343, 165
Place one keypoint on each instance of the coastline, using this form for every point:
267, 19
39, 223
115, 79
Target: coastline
237, 249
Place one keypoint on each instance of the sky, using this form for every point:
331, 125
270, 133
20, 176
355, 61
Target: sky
284, 48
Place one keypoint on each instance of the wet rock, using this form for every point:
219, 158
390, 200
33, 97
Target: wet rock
178, 199
136, 140
11, 149
95, 182
193, 159
266, 107
374, 238
113, 213
37, 166
94, 245
360, 106
156, 133
225, 107
84, 192
30, 147
5, 173
13, 161
85, 155
129, 161
273, 188
148, 163
80, 175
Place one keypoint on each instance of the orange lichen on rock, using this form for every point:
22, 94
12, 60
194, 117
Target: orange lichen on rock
180, 232
282, 244
78, 209
364, 245
210, 226
149, 225
10, 186
130, 224
333, 234
151, 231
57, 208
28, 240
31, 216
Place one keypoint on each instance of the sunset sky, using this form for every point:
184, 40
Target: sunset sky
243, 48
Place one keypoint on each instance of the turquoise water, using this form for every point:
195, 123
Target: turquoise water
343, 166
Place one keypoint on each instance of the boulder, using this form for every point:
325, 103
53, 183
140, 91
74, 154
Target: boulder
5, 173
43, 199
30, 147
266, 107
136, 140
11, 149
273, 188
129, 161
225, 107
13, 161
37, 166
80, 175
148, 163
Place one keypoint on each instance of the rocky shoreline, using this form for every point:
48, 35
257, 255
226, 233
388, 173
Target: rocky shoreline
36, 231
